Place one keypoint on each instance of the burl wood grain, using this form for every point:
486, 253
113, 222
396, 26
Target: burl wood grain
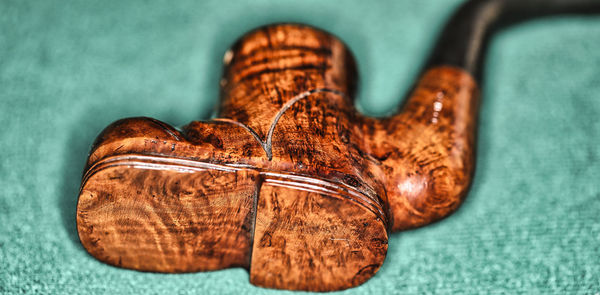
313, 239
144, 215
426, 153
290, 181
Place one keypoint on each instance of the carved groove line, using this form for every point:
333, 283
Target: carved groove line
267, 145
300, 182
165, 128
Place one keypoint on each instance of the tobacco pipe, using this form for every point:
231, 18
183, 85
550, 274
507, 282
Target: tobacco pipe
290, 181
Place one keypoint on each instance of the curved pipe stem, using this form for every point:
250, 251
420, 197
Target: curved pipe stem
427, 151
462, 42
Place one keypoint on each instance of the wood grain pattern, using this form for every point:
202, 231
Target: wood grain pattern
426, 153
313, 239
149, 215
290, 181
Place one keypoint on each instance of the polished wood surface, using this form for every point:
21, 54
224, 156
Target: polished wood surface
426, 153
290, 181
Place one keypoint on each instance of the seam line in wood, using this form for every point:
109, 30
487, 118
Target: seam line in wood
255, 196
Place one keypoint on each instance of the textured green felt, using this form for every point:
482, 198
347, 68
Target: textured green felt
531, 223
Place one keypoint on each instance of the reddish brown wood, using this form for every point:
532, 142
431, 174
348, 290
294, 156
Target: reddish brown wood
426, 153
290, 181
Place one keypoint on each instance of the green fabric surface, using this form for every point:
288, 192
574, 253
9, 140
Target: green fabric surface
531, 223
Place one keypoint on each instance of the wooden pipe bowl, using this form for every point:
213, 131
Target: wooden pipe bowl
290, 182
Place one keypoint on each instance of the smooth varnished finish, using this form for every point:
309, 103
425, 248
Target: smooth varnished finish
425, 155
280, 183
290, 181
